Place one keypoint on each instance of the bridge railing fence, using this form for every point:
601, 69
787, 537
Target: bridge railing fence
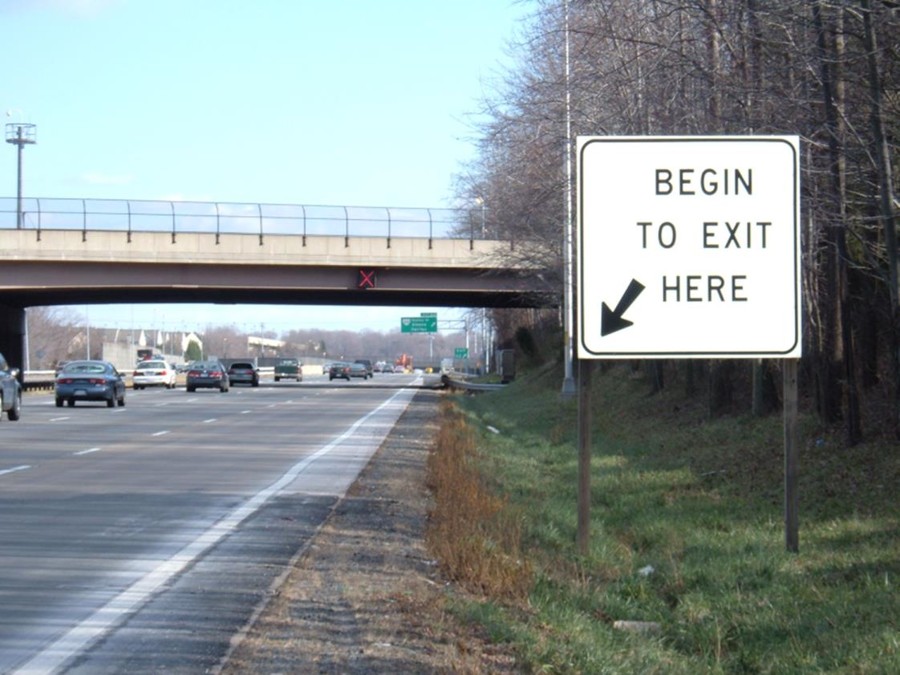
222, 219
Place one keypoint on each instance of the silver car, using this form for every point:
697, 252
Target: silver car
10, 391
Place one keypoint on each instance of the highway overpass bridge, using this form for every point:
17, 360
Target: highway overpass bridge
100, 251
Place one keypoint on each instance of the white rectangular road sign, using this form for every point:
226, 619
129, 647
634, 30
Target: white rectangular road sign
688, 247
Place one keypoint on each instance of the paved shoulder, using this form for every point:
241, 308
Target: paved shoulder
351, 603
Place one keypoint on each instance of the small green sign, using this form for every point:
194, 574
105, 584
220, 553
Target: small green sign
418, 324
461, 353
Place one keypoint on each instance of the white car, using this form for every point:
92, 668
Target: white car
153, 374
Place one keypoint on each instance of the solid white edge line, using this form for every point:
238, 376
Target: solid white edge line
23, 467
86, 452
103, 620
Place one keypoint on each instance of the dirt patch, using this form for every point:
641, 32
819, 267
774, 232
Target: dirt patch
365, 597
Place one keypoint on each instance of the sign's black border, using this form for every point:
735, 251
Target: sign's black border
798, 296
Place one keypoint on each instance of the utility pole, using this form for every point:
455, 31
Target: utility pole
20, 134
568, 386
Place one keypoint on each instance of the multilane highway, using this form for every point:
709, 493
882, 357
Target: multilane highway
142, 538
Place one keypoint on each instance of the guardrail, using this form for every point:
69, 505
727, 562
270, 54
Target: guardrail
220, 218
38, 380
454, 383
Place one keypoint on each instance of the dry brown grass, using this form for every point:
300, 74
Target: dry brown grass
470, 532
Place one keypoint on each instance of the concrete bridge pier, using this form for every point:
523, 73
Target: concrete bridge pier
12, 336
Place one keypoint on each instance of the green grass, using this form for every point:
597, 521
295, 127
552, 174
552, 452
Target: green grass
687, 531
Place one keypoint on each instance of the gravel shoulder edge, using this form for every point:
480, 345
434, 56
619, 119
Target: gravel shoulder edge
363, 596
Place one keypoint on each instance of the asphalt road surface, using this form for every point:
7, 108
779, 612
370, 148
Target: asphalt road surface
141, 539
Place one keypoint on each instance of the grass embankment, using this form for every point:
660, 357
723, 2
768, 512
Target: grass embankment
686, 532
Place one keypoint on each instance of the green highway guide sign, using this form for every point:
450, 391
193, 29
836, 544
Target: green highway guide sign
461, 353
418, 324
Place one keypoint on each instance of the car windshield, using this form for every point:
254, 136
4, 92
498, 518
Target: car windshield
84, 368
206, 366
248, 366
144, 365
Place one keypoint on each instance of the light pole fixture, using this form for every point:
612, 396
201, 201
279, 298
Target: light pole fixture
20, 134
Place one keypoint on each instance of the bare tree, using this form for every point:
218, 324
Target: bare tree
825, 70
51, 331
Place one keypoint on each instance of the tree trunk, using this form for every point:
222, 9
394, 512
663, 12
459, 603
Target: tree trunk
836, 328
885, 203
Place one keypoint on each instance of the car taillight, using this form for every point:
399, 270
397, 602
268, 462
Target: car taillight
136, 373
193, 373
96, 380
64, 380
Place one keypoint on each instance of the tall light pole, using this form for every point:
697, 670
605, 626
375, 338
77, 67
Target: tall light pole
568, 387
20, 134
484, 331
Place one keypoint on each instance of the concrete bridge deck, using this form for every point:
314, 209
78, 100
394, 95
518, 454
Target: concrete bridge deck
79, 266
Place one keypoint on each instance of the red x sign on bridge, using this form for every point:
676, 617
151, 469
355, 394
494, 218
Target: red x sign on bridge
365, 279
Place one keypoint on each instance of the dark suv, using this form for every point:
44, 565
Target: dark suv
10, 391
243, 372
370, 372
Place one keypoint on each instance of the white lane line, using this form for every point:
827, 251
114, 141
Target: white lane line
106, 618
23, 467
245, 412
161, 433
210, 420
58, 419
86, 452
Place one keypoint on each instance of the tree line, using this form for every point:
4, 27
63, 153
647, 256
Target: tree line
826, 70
57, 334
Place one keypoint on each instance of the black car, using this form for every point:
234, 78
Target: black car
90, 380
243, 372
339, 369
10, 391
347, 370
207, 374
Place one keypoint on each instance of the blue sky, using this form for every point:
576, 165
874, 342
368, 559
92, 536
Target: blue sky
344, 102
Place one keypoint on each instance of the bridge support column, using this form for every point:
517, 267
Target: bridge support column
12, 336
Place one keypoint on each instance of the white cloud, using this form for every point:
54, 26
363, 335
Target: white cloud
96, 178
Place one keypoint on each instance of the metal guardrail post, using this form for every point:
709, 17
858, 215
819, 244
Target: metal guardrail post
346, 228
172, 205
84, 220
38, 202
217, 223
128, 207
389, 226
259, 208
430, 229
303, 211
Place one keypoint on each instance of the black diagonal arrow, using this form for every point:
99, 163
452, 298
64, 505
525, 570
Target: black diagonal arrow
611, 320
